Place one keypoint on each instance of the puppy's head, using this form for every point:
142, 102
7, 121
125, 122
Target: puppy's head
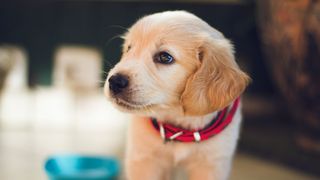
174, 60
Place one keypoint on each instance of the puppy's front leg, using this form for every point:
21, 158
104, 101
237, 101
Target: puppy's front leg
146, 157
219, 170
146, 169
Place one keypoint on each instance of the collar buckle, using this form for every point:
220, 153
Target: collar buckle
196, 136
163, 134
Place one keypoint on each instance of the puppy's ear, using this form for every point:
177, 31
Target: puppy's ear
217, 81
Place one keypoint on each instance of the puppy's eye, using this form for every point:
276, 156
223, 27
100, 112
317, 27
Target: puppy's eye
163, 58
128, 48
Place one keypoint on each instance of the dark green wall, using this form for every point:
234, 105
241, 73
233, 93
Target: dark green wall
41, 27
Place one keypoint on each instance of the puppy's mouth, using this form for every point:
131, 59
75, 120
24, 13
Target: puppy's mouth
130, 105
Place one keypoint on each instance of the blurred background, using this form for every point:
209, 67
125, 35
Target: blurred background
55, 55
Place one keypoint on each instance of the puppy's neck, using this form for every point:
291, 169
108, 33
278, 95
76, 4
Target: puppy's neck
186, 122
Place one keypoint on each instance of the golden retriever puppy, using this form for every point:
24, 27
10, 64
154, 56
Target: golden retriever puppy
179, 79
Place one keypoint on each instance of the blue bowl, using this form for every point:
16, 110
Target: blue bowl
77, 167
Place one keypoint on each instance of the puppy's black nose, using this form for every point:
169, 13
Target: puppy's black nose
117, 83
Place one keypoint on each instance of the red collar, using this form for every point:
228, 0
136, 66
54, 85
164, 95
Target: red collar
169, 132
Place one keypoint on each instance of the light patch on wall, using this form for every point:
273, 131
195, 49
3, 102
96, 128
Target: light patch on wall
77, 68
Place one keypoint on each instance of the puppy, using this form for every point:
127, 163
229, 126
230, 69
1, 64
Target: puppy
178, 77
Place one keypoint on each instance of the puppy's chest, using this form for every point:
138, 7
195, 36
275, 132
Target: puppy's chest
186, 151
181, 152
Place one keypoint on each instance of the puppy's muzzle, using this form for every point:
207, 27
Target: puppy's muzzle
118, 83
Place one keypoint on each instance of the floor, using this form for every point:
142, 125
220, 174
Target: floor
84, 129
22, 155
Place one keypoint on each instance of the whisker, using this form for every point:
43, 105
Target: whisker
101, 82
104, 72
118, 26
113, 38
108, 63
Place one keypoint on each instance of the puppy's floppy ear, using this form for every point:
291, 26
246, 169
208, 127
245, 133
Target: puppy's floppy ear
218, 80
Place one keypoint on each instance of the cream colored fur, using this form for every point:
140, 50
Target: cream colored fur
203, 79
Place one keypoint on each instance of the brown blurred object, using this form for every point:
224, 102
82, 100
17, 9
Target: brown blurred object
291, 35
6, 63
